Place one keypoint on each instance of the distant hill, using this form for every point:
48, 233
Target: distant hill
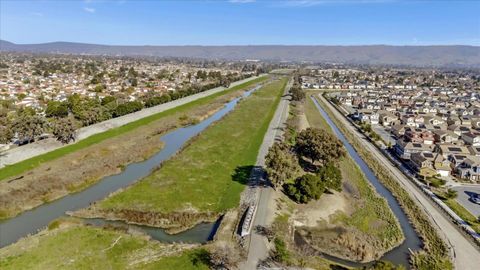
466, 56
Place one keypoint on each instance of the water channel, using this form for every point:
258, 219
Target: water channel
400, 254
31, 221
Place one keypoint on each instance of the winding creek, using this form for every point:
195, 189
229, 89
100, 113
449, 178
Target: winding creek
31, 221
400, 254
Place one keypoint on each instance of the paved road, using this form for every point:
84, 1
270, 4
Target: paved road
258, 246
466, 255
27, 151
464, 194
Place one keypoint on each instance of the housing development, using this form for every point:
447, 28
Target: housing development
430, 119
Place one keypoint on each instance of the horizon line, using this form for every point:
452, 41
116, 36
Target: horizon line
244, 45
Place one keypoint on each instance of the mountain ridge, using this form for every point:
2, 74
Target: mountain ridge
426, 55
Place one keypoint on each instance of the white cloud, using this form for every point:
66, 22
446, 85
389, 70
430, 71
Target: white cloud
241, 1
309, 3
38, 14
89, 10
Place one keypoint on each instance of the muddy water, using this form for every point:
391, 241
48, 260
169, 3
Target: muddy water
400, 254
33, 220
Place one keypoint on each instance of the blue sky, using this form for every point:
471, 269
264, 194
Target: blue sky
242, 22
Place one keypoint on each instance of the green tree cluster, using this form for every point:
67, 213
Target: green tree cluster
319, 145
283, 167
281, 164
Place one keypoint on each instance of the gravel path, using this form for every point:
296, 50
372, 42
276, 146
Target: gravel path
258, 245
27, 151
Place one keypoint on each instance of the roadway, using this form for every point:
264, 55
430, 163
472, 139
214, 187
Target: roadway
257, 245
465, 254
464, 194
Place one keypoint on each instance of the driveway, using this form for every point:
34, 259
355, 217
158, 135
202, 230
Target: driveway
384, 134
464, 194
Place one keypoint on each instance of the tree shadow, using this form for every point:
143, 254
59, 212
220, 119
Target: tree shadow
199, 257
307, 165
242, 174
250, 175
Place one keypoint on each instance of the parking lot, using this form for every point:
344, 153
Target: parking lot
464, 194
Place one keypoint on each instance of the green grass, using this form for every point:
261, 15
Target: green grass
28, 164
463, 213
81, 247
373, 210
209, 174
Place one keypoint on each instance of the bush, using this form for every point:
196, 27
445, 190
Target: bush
305, 188
154, 101
281, 253
331, 176
451, 194
436, 182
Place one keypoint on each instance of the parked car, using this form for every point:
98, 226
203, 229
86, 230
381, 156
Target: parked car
475, 198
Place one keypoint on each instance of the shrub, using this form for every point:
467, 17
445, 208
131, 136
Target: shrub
281, 253
305, 188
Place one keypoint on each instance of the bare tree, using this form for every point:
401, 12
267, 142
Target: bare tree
224, 256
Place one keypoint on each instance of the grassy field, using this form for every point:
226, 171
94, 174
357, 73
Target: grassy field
81, 247
209, 174
31, 163
370, 213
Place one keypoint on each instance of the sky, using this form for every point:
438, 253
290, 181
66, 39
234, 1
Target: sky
242, 22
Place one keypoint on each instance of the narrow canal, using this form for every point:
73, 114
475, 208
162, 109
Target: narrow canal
400, 254
33, 220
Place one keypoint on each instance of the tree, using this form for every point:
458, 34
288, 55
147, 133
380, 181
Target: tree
319, 145
108, 99
305, 188
64, 130
331, 176
297, 93
29, 126
224, 256
281, 164
6, 134
56, 109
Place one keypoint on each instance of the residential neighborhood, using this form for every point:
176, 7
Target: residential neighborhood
430, 119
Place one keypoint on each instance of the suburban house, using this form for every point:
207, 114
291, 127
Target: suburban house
471, 138
405, 149
387, 118
469, 169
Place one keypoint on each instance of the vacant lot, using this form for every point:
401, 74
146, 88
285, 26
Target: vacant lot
363, 227
130, 143
207, 177
71, 245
